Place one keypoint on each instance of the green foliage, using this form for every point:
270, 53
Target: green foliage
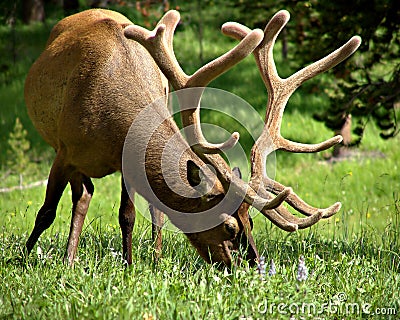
19, 48
368, 86
19, 147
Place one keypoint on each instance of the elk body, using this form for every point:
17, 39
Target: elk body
82, 95
99, 73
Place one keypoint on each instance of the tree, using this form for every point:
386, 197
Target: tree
367, 87
32, 10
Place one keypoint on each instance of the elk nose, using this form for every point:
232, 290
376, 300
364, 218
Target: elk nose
231, 227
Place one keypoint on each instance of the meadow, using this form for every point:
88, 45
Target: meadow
352, 258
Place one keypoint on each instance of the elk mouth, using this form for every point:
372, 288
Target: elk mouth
230, 243
241, 250
235, 253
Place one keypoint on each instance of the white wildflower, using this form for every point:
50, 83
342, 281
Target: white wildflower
261, 267
302, 271
272, 268
39, 252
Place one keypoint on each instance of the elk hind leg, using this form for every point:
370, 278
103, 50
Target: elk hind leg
157, 219
82, 191
127, 217
58, 179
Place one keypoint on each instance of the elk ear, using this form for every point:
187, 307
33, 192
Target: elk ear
236, 172
193, 173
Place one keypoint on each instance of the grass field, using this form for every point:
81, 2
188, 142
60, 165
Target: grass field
353, 258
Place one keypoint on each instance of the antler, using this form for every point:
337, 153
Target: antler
279, 91
159, 44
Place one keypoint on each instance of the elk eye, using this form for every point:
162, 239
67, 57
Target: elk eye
210, 197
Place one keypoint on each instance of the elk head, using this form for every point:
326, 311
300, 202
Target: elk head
261, 192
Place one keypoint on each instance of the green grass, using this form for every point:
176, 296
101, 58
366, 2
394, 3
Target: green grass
181, 286
353, 258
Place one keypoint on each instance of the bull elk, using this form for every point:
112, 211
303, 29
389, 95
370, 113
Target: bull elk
100, 73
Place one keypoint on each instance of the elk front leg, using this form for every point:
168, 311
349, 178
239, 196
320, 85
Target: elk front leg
157, 219
126, 222
82, 191
56, 184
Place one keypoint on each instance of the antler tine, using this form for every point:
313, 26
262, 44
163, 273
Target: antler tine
260, 181
279, 90
170, 20
271, 207
201, 78
326, 63
301, 223
211, 70
279, 221
159, 44
279, 215
293, 199
235, 30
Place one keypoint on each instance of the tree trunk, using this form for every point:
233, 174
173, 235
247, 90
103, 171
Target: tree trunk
341, 149
32, 10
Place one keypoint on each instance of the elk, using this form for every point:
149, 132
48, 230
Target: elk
100, 73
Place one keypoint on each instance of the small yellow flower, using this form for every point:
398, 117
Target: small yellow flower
337, 220
29, 203
350, 173
368, 215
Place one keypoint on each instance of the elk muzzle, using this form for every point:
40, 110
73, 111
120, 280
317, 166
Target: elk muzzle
229, 243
